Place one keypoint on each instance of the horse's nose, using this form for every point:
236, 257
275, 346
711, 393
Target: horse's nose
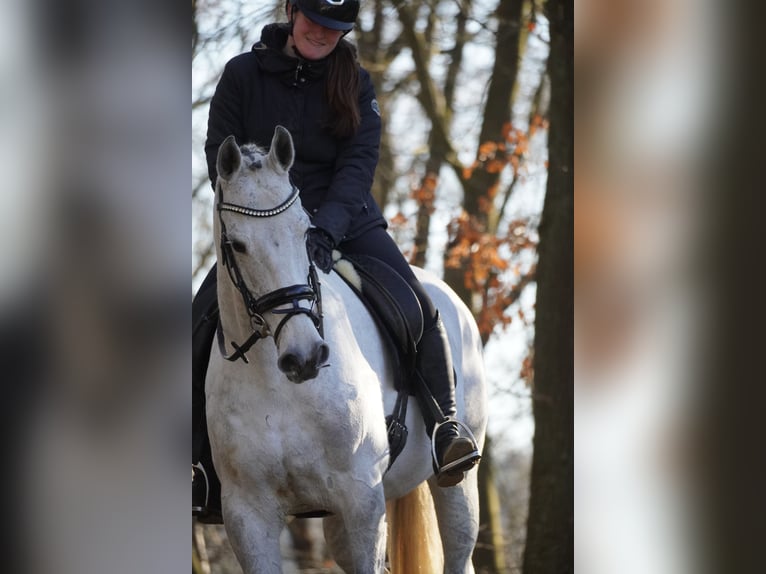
300, 367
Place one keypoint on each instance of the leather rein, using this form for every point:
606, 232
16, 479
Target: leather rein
257, 307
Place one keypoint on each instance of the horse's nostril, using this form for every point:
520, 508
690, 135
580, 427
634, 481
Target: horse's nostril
300, 368
322, 354
288, 363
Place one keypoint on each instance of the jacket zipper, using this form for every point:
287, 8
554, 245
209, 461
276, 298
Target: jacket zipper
297, 73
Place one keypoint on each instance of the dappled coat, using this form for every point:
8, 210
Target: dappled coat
264, 88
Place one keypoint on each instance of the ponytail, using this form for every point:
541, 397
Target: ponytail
342, 90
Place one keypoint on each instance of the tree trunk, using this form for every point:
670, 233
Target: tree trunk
200, 562
550, 524
304, 544
477, 196
497, 112
438, 152
374, 58
489, 555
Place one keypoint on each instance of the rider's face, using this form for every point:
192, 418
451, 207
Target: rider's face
313, 40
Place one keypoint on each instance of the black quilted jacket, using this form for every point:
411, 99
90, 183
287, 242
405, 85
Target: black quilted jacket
264, 87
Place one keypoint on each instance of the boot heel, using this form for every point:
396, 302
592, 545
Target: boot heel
458, 423
462, 454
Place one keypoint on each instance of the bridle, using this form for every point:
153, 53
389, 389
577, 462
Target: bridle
257, 307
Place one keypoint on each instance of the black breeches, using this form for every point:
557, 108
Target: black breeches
204, 321
377, 243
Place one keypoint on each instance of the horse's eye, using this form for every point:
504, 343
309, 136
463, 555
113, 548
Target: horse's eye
238, 246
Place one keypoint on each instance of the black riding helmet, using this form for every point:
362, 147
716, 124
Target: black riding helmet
333, 14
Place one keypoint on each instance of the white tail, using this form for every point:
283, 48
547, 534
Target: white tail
414, 546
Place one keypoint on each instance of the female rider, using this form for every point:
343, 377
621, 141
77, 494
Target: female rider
304, 76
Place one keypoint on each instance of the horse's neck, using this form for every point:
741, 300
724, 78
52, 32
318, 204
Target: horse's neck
336, 295
349, 323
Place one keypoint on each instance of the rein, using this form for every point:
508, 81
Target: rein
257, 307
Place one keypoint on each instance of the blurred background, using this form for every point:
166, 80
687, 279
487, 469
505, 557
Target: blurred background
94, 315
648, 116
477, 176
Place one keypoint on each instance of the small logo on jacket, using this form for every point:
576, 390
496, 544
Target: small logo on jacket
375, 107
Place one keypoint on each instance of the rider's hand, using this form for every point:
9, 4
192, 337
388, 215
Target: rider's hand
320, 246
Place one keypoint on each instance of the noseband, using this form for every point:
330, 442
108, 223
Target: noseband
257, 307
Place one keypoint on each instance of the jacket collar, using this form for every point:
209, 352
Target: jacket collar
273, 60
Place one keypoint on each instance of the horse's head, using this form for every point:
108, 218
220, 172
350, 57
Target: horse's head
260, 231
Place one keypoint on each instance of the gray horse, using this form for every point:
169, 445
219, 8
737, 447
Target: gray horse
300, 427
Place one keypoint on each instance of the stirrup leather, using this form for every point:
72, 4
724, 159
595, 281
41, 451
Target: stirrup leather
474, 454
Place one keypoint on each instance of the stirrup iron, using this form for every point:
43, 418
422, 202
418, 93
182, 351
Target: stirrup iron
460, 461
200, 468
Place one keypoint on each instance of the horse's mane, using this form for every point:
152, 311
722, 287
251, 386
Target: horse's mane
251, 148
253, 154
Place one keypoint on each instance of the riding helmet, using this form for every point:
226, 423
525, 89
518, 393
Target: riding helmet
333, 14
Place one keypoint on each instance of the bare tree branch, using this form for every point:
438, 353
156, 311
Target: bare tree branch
433, 102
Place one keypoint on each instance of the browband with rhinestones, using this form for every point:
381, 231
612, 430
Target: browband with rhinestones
224, 206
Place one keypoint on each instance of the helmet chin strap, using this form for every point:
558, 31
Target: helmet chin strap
293, 12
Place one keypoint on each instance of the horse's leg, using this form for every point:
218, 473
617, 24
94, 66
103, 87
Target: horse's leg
357, 535
253, 530
457, 511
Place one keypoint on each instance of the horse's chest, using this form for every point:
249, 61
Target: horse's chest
292, 429
301, 445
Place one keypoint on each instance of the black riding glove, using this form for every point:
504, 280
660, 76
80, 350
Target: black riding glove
320, 246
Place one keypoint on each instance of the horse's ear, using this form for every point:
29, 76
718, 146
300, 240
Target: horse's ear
229, 158
281, 153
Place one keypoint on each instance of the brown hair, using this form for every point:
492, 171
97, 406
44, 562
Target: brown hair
342, 90
342, 86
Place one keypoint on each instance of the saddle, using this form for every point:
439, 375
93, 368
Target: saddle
396, 310
393, 305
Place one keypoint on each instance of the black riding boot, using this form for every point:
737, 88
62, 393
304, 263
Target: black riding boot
455, 454
206, 488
